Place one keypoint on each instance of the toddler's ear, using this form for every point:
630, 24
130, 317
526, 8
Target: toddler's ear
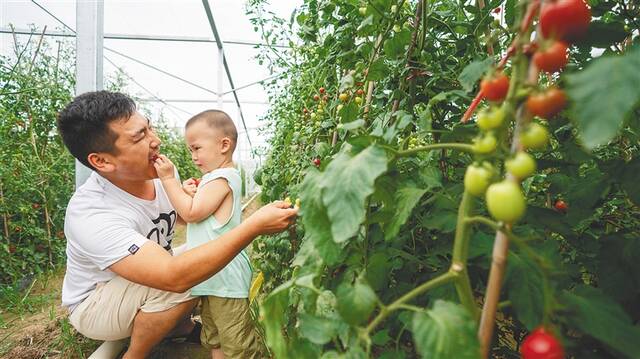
225, 145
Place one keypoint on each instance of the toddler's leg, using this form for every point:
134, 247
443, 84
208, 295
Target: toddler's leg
217, 353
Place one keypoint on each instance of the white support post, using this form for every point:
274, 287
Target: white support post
89, 48
220, 77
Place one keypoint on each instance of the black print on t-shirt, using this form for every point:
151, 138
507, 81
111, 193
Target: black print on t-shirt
164, 227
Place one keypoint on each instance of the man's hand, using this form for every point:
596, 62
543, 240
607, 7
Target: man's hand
273, 218
164, 167
190, 187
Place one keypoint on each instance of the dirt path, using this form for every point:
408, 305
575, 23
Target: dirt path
43, 331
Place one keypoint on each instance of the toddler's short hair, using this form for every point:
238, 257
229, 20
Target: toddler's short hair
218, 120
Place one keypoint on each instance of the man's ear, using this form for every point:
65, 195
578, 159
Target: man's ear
225, 145
101, 162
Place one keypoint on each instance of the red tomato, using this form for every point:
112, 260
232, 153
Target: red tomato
495, 88
316, 162
196, 181
547, 104
564, 19
321, 89
360, 92
561, 206
316, 97
552, 59
540, 344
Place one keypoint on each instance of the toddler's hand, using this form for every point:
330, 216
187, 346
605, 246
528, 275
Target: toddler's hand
164, 167
190, 186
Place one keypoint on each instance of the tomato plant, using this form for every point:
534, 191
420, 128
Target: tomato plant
416, 215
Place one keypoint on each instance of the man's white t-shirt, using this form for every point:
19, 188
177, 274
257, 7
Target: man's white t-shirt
104, 224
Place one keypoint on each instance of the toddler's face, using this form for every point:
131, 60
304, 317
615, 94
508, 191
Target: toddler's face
205, 144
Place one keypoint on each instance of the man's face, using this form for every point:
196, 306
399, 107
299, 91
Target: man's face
137, 146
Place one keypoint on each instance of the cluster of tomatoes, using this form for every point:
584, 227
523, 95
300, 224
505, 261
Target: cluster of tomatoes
290, 204
561, 22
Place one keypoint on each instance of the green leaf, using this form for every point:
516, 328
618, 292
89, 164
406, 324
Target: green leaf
603, 35
318, 330
315, 219
524, 283
473, 72
378, 70
603, 94
629, 180
356, 302
395, 46
346, 184
444, 332
602, 318
349, 113
272, 309
405, 199
353, 125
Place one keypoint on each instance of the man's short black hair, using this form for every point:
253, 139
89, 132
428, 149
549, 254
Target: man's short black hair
84, 123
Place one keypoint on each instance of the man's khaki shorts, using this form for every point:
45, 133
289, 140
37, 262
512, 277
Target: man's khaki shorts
108, 312
227, 324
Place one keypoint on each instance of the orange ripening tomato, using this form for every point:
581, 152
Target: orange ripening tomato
548, 103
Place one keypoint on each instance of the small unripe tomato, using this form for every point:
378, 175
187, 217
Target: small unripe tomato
485, 144
343, 97
535, 136
540, 344
505, 201
522, 165
491, 119
477, 179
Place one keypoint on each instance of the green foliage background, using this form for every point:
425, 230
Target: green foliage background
377, 226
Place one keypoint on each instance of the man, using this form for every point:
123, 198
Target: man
121, 278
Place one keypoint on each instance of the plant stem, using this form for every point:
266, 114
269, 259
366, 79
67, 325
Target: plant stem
437, 146
399, 303
460, 254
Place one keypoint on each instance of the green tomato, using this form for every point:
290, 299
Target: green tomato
394, 8
490, 119
506, 201
363, 10
339, 107
476, 179
313, 115
535, 136
485, 144
397, 28
522, 165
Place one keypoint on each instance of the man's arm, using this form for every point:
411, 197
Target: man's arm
152, 266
